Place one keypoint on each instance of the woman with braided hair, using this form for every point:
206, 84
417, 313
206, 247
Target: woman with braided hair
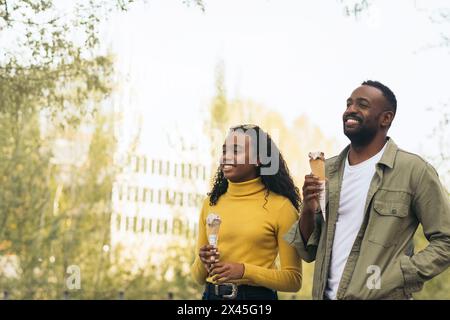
257, 202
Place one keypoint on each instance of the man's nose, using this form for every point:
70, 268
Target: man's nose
351, 109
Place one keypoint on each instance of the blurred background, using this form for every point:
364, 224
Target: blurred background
113, 113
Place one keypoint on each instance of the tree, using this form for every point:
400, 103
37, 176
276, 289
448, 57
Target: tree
53, 214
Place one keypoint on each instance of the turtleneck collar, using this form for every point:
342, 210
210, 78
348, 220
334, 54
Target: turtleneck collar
246, 188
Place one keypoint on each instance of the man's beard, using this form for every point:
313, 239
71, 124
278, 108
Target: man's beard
361, 137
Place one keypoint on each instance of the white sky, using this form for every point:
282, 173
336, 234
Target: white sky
296, 57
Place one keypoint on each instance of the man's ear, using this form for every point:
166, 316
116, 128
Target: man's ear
386, 118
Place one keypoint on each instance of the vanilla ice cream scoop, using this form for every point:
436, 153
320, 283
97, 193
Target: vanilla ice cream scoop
316, 155
317, 163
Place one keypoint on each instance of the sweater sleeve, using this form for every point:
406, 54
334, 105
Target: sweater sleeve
198, 270
289, 277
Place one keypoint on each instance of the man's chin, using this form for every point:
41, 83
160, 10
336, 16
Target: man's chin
352, 133
358, 137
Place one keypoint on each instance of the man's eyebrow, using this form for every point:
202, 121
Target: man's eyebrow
363, 99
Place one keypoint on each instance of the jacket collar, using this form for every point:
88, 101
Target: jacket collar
387, 159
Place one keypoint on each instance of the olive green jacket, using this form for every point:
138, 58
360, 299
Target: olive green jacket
404, 192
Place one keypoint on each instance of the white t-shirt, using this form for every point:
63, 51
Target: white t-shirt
350, 215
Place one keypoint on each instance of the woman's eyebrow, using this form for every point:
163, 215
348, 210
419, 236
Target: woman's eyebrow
232, 145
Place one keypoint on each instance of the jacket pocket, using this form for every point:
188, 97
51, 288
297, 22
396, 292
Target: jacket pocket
387, 221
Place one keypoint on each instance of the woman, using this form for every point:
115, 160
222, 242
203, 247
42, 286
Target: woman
257, 206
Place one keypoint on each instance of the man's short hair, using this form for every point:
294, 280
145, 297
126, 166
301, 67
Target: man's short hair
387, 93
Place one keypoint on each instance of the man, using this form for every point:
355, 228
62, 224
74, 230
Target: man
377, 194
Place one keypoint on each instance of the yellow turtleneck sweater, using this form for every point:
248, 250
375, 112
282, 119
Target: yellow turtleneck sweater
253, 235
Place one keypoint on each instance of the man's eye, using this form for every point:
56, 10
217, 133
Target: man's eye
362, 105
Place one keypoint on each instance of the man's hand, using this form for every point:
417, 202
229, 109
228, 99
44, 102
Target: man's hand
208, 255
311, 189
226, 271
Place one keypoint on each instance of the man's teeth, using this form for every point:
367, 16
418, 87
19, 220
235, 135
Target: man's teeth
227, 166
352, 121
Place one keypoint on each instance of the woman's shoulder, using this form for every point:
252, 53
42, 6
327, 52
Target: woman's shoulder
206, 202
280, 202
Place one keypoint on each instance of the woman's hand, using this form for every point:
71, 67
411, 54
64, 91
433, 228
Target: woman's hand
226, 271
208, 255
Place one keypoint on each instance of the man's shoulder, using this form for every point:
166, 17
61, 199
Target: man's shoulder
332, 160
410, 159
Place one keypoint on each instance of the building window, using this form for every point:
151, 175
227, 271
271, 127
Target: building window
177, 227
136, 194
179, 197
168, 168
170, 197
158, 226
194, 199
143, 220
118, 220
197, 172
129, 161
160, 167
150, 225
151, 195
129, 193
175, 170
195, 230
198, 200
127, 223
159, 196
190, 171
204, 173
153, 166
120, 191
147, 195
135, 221
136, 163
144, 164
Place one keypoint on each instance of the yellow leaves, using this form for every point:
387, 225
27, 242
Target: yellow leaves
19, 168
5, 245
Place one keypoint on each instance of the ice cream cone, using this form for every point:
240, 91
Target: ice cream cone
317, 164
212, 229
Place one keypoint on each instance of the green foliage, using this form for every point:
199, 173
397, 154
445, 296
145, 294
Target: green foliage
438, 287
56, 212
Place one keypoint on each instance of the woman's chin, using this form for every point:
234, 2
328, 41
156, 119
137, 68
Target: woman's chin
228, 175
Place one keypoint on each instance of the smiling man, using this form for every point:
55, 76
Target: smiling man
378, 195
